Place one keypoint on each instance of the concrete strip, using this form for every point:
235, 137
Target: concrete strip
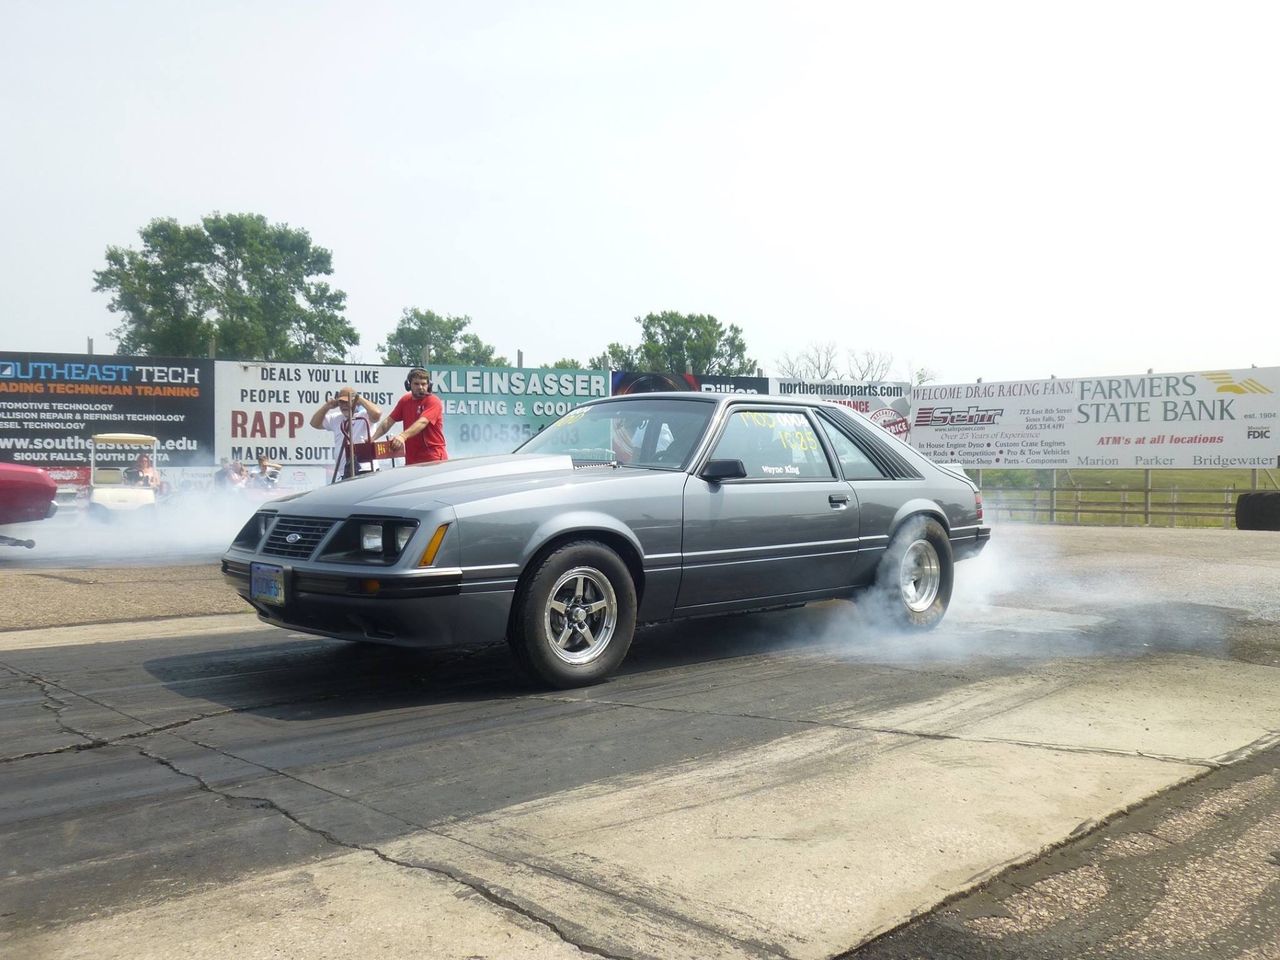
1187, 707
355, 905
137, 630
804, 848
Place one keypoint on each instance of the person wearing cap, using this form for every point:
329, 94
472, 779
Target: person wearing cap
335, 414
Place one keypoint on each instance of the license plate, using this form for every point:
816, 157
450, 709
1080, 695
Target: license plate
266, 583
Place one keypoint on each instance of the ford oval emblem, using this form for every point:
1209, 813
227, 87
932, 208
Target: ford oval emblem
292, 538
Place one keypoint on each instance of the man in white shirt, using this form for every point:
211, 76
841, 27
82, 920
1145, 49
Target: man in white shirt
340, 414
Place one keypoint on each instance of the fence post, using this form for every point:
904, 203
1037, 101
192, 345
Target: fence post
1226, 507
1173, 508
1053, 497
1124, 508
1146, 498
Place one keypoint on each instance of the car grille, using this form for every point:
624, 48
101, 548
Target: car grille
309, 531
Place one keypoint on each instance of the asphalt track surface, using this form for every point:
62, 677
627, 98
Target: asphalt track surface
1080, 762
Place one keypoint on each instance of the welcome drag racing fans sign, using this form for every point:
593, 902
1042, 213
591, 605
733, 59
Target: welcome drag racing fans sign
1206, 419
52, 403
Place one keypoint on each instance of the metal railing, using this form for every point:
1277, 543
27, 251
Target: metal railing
1147, 499
1107, 505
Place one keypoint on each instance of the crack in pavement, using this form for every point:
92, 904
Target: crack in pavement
463, 878
56, 706
473, 883
95, 742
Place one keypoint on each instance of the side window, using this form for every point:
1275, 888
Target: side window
773, 445
853, 462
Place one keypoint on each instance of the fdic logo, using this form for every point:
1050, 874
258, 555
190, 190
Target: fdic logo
951, 417
1258, 433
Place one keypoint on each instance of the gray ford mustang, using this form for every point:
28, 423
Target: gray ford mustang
628, 510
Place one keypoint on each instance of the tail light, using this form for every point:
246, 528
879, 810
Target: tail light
977, 502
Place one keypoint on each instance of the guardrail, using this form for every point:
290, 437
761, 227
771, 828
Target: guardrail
1107, 505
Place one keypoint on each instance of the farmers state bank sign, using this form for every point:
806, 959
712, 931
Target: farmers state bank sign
1207, 419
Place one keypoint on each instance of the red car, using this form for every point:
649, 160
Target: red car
26, 494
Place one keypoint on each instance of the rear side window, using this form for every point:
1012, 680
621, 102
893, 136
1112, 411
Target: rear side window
774, 445
891, 464
854, 464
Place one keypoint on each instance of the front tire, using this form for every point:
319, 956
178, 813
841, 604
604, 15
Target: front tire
916, 575
575, 616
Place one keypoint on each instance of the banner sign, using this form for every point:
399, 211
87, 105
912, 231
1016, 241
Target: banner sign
52, 403
629, 382
495, 409
1213, 419
886, 404
265, 409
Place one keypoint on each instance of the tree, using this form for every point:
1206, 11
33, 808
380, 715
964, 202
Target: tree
918, 376
869, 365
615, 357
567, 363
445, 339
251, 287
815, 362
675, 342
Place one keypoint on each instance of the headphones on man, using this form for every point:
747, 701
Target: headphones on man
415, 372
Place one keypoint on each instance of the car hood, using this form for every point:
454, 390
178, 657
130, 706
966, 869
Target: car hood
450, 482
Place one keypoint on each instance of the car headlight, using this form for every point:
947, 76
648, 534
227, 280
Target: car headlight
403, 533
370, 540
251, 533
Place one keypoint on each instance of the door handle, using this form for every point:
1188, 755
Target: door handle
838, 500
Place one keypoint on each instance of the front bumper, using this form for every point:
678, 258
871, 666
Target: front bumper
421, 609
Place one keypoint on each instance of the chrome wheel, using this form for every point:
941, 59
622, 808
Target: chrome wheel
919, 576
581, 615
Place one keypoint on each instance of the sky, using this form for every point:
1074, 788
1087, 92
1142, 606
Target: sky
999, 190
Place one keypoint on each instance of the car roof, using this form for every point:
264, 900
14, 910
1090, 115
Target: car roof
709, 396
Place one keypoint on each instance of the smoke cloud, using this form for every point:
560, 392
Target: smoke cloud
185, 528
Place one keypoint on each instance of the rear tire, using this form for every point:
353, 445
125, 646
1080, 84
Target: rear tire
916, 575
1266, 511
575, 616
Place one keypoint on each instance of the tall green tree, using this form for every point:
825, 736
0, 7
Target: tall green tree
673, 342
616, 357
446, 339
251, 287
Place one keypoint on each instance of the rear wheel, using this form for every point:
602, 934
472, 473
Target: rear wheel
575, 616
916, 575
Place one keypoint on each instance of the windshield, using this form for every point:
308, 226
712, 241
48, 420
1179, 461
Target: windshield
661, 433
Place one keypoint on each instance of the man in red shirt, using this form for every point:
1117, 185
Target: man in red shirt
421, 417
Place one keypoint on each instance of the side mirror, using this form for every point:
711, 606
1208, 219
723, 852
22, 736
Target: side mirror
717, 470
